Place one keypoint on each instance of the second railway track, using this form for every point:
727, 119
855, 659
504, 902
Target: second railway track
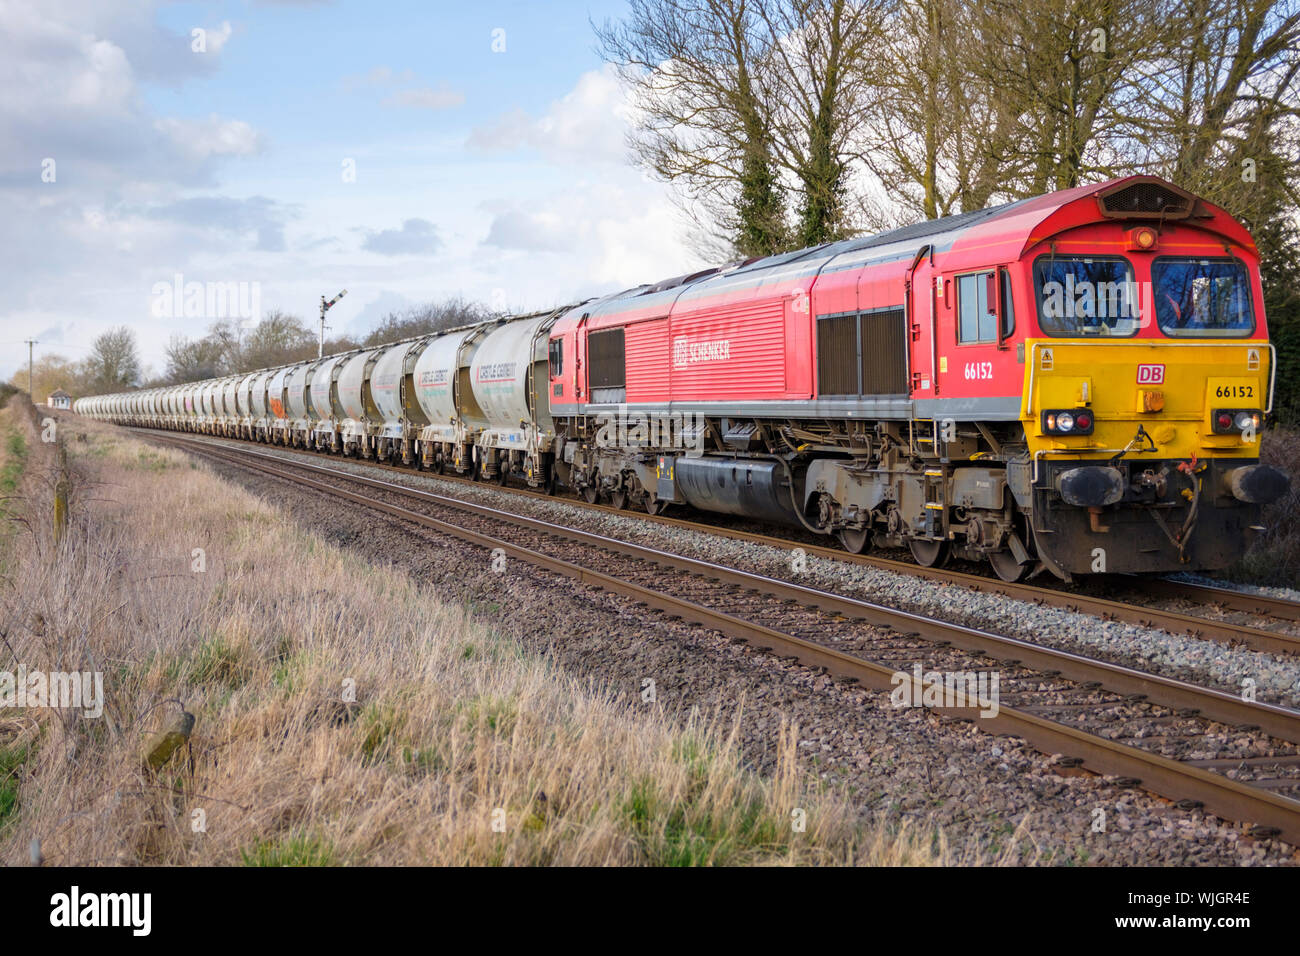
1173, 738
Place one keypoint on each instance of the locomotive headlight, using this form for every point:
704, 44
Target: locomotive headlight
1246, 420
1067, 421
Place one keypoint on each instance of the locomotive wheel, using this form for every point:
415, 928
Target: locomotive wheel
855, 541
619, 499
1007, 567
929, 554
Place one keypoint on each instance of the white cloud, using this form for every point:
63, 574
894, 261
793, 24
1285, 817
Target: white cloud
589, 123
213, 136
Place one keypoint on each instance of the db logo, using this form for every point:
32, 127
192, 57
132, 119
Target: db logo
1151, 374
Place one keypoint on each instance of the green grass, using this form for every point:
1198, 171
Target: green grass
215, 661
16, 459
11, 764
298, 850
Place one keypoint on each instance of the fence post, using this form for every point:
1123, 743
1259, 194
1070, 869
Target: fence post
60, 489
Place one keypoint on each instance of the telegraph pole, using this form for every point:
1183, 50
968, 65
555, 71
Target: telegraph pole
325, 306
31, 343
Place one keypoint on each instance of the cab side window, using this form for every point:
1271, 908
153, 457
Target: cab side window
556, 356
977, 306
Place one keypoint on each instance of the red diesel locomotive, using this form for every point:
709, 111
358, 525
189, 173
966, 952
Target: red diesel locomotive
1074, 382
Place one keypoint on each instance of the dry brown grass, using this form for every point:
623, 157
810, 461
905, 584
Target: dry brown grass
451, 722
1274, 559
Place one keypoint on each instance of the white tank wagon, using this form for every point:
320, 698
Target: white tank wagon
261, 427
244, 405
440, 377
392, 386
509, 378
323, 402
190, 407
277, 411
295, 402
208, 393
360, 416
229, 412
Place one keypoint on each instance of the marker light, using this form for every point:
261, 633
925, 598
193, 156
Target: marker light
1142, 239
1230, 421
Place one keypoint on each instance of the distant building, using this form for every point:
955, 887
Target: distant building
59, 399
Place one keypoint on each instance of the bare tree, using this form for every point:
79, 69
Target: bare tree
825, 76
277, 339
698, 70
422, 320
114, 363
193, 361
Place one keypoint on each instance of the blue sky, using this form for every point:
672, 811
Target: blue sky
500, 176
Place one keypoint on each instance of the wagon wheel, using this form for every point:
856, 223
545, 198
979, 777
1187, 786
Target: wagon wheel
619, 499
592, 492
855, 540
503, 473
929, 554
440, 463
1007, 567
551, 483
652, 504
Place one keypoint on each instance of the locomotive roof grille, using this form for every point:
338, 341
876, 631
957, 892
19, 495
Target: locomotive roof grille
1148, 199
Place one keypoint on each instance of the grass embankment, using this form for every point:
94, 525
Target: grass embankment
1274, 559
13, 457
459, 747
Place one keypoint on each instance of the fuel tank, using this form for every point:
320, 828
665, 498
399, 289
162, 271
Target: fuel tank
755, 489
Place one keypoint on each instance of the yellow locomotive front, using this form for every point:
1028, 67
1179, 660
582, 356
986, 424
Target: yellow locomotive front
1146, 388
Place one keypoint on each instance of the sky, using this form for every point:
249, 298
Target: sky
406, 151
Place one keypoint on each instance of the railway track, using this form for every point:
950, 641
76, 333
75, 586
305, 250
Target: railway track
1175, 622
1194, 745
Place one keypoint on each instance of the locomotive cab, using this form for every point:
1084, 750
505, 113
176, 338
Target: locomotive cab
1147, 380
